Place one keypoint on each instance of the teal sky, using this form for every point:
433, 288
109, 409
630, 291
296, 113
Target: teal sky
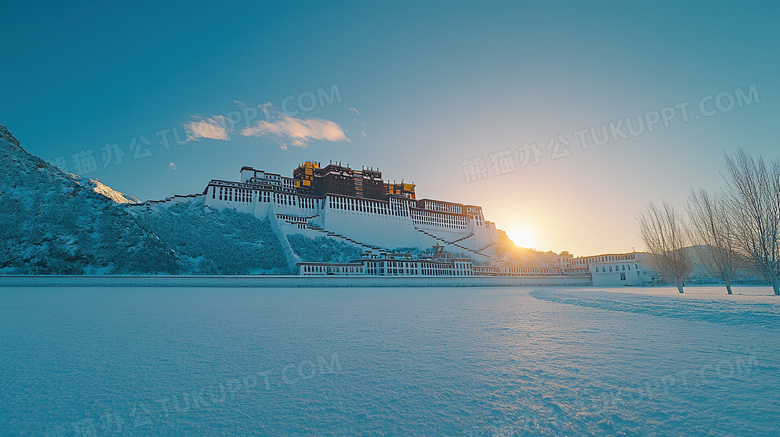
412, 88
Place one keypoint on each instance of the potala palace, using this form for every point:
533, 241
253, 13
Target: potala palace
356, 205
399, 235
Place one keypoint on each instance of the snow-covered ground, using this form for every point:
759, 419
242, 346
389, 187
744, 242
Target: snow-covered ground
741, 292
284, 281
402, 361
749, 305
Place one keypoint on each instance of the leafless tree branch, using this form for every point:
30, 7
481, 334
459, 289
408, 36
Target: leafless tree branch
663, 231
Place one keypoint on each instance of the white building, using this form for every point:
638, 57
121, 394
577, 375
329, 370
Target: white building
613, 269
435, 262
340, 269
396, 221
354, 206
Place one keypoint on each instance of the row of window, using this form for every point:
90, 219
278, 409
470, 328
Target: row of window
528, 271
413, 272
291, 218
334, 270
617, 268
272, 179
443, 207
247, 195
285, 199
414, 268
379, 269
435, 219
604, 258
291, 200
358, 205
232, 194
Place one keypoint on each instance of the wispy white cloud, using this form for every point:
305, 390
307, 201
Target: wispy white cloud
296, 131
286, 128
214, 128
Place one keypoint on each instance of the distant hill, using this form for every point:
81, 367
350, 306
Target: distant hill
510, 253
58, 223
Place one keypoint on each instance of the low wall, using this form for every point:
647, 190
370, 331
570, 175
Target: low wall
288, 281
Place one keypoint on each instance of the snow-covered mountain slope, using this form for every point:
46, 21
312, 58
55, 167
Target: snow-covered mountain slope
101, 188
95, 185
60, 223
54, 224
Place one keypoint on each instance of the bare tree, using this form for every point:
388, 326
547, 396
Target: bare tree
711, 230
754, 203
663, 232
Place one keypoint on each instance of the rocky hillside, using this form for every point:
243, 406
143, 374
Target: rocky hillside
59, 223
54, 224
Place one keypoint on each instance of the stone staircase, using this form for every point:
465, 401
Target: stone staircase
461, 239
305, 223
300, 222
480, 250
370, 247
454, 243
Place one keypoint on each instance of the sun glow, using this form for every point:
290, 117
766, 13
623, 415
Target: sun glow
522, 236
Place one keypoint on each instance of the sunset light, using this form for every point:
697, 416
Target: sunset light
522, 236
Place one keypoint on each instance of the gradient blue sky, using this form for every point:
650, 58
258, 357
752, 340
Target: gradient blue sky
434, 84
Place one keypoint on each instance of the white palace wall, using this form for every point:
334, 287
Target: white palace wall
395, 223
